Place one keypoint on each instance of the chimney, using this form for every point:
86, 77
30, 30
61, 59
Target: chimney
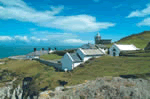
34, 49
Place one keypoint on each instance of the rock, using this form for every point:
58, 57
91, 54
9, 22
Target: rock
1, 63
60, 88
115, 88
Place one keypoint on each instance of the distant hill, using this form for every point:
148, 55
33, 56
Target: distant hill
139, 40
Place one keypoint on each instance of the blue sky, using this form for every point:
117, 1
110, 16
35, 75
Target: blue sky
70, 22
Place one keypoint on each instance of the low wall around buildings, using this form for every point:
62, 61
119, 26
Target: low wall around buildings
50, 63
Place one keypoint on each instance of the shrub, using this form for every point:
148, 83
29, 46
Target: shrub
81, 65
82, 97
61, 53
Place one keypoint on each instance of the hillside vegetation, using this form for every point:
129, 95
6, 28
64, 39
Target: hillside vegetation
51, 57
45, 76
139, 40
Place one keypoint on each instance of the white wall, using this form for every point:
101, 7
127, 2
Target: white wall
76, 64
67, 62
86, 58
117, 52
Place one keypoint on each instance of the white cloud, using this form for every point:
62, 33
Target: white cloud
96, 0
35, 39
54, 35
76, 41
19, 10
140, 13
21, 38
57, 38
145, 22
5, 38
79, 23
38, 39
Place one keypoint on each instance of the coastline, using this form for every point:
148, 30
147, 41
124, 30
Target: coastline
9, 51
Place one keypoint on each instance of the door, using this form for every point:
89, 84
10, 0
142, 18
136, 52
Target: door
114, 54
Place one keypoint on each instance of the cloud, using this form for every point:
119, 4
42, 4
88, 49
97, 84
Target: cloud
96, 0
145, 22
76, 41
19, 10
140, 13
5, 38
54, 35
38, 39
78, 23
21, 38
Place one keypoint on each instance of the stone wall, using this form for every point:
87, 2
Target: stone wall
50, 63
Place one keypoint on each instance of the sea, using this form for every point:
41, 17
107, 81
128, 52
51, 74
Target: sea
6, 51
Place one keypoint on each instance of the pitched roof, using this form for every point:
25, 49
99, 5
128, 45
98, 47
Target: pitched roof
92, 52
89, 45
37, 53
75, 57
126, 47
101, 46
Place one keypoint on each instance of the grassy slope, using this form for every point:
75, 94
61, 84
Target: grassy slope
27, 68
51, 57
110, 66
103, 66
139, 40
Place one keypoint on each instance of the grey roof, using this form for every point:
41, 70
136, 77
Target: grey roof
92, 52
101, 46
75, 57
37, 53
88, 46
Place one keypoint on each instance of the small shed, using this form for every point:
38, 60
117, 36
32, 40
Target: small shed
117, 48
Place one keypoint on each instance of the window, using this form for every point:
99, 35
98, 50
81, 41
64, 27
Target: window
114, 49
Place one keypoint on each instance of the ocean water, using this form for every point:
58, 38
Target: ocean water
6, 51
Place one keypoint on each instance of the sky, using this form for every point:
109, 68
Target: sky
70, 22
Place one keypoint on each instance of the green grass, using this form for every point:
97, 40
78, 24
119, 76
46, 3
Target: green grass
110, 66
103, 66
139, 40
140, 53
51, 57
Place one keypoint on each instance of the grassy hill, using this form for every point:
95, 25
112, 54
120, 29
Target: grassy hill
104, 66
139, 40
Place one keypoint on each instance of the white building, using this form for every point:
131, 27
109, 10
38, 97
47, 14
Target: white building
86, 54
88, 46
72, 60
117, 48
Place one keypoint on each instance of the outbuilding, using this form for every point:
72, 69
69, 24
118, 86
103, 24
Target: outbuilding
117, 48
72, 60
86, 54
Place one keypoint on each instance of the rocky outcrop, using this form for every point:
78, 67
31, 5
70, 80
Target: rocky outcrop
22, 91
8, 92
103, 88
